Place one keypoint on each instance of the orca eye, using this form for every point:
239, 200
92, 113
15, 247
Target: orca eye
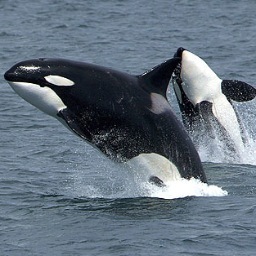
59, 80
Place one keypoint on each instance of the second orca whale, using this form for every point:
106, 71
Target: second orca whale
127, 117
205, 102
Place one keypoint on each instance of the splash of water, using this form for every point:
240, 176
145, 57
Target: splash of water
215, 153
124, 184
249, 154
216, 150
173, 190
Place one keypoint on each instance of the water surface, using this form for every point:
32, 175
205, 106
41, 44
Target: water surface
59, 196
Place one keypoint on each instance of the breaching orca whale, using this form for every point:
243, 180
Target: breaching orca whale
205, 102
126, 117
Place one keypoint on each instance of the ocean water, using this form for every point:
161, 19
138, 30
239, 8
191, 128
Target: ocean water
60, 196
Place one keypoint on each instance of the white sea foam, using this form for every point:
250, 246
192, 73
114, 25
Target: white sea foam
184, 188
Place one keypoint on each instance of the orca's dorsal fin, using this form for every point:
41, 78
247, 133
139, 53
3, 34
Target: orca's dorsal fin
237, 90
157, 79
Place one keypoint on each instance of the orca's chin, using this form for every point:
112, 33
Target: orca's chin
22, 88
43, 98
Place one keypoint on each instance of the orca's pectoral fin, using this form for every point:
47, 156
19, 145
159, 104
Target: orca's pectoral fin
156, 181
73, 123
238, 90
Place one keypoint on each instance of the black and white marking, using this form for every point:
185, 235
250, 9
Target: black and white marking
205, 100
126, 117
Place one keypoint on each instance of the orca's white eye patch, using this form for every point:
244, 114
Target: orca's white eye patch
59, 80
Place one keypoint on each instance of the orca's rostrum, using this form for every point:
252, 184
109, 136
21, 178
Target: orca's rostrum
125, 116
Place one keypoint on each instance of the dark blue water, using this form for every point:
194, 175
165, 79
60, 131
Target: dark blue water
59, 196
